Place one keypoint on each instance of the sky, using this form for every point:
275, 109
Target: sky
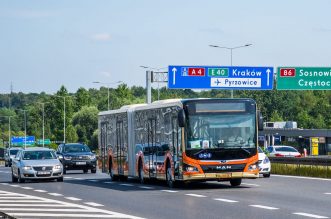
45, 43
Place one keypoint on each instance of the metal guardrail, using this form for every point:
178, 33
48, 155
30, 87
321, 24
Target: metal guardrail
315, 161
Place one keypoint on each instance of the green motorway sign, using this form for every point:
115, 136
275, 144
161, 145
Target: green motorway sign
47, 141
303, 78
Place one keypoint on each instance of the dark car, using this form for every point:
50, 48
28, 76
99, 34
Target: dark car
76, 156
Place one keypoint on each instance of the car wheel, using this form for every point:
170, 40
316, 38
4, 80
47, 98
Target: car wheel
20, 180
93, 170
6, 164
113, 177
170, 180
267, 175
60, 179
13, 178
64, 171
235, 182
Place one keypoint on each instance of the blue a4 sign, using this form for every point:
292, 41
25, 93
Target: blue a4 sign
220, 77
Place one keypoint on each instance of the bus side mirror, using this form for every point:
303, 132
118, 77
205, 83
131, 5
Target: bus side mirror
181, 118
260, 120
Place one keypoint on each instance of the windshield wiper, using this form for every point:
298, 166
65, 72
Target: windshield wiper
203, 150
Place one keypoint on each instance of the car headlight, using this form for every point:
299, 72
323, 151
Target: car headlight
57, 167
253, 167
92, 157
67, 157
266, 160
27, 168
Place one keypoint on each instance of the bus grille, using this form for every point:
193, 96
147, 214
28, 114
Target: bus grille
223, 168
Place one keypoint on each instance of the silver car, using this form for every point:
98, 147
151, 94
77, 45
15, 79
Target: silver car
36, 163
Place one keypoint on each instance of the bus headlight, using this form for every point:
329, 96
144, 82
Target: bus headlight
189, 168
253, 167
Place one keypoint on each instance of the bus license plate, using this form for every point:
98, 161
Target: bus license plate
224, 175
80, 163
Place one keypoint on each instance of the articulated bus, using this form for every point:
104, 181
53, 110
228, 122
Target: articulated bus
181, 140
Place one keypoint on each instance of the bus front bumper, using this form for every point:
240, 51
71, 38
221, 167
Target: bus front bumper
219, 176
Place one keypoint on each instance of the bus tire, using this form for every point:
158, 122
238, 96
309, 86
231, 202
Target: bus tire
235, 182
141, 172
169, 178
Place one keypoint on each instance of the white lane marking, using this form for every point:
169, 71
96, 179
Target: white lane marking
73, 198
125, 184
264, 207
250, 184
170, 191
5, 184
69, 215
55, 194
301, 177
78, 178
93, 180
15, 186
93, 204
309, 215
46, 209
196, 195
327, 193
225, 200
68, 177
15, 197
145, 187
108, 182
40, 190
45, 202
27, 188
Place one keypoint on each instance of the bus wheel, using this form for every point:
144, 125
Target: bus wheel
113, 177
141, 173
235, 182
170, 180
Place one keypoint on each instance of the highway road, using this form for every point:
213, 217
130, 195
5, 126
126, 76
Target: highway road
94, 196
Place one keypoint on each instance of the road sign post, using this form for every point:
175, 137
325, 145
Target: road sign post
303, 78
220, 77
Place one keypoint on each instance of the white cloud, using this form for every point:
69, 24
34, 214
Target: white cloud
101, 37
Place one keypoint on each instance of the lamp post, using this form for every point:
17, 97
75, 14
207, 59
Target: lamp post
158, 83
231, 49
24, 111
43, 107
108, 86
64, 115
9, 129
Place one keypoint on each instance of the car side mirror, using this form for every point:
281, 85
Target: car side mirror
93, 152
59, 156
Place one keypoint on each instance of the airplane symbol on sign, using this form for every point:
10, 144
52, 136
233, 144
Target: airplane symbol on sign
217, 82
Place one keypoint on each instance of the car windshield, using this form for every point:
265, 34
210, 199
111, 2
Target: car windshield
221, 130
13, 152
76, 148
286, 149
38, 155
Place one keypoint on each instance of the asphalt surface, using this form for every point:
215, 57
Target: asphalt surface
94, 196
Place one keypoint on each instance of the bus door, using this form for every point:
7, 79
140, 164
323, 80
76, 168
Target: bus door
103, 145
176, 143
120, 158
152, 164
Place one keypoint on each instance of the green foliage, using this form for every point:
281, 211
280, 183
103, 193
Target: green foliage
309, 108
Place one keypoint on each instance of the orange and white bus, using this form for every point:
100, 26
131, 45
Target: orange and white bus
181, 140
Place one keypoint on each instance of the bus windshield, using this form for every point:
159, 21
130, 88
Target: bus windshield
221, 131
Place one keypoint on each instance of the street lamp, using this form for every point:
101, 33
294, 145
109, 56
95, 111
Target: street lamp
64, 115
108, 86
43, 107
231, 48
9, 129
24, 111
158, 83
